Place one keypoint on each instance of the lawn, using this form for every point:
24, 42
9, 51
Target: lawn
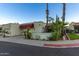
73, 36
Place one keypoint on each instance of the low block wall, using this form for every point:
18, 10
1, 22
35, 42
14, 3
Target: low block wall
41, 36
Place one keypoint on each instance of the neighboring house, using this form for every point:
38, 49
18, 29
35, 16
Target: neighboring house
74, 26
71, 26
12, 29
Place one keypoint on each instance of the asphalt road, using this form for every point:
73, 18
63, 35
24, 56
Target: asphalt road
14, 49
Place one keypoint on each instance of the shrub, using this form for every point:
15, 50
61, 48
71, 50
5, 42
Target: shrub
55, 36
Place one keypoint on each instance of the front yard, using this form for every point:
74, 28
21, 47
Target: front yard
73, 36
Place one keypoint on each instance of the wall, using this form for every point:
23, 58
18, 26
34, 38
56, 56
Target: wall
71, 27
7, 28
41, 36
38, 26
12, 28
15, 30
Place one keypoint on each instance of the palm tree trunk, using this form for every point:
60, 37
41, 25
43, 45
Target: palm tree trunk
63, 18
47, 16
64, 8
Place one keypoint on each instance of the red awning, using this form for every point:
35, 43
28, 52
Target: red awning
26, 26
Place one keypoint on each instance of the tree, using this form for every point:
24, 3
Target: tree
4, 32
47, 16
63, 18
24, 32
27, 34
57, 28
0, 29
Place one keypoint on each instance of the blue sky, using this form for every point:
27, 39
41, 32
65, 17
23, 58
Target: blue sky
30, 12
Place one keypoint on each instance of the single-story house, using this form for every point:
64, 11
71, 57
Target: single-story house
36, 28
12, 29
74, 26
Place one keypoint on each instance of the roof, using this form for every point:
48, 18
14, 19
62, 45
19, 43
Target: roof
75, 23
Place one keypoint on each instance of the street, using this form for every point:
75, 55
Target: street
14, 49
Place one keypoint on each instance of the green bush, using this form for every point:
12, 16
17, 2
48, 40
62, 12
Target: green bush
55, 36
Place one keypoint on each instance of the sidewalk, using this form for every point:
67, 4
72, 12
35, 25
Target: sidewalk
51, 44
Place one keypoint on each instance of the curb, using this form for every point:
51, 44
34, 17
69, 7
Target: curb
61, 45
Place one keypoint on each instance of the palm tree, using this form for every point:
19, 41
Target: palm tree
63, 17
47, 16
57, 28
64, 34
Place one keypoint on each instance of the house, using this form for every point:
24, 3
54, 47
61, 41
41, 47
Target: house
74, 26
36, 28
12, 29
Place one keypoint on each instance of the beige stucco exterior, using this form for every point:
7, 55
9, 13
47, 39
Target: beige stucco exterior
12, 28
39, 31
71, 27
39, 26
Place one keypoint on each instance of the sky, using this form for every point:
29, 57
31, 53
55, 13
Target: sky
31, 12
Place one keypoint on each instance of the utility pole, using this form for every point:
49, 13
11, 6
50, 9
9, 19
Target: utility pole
47, 15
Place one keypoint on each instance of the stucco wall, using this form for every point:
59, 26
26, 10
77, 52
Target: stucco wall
71, 27
38, 26
12, 28
15, 29
41, 36
7, 28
